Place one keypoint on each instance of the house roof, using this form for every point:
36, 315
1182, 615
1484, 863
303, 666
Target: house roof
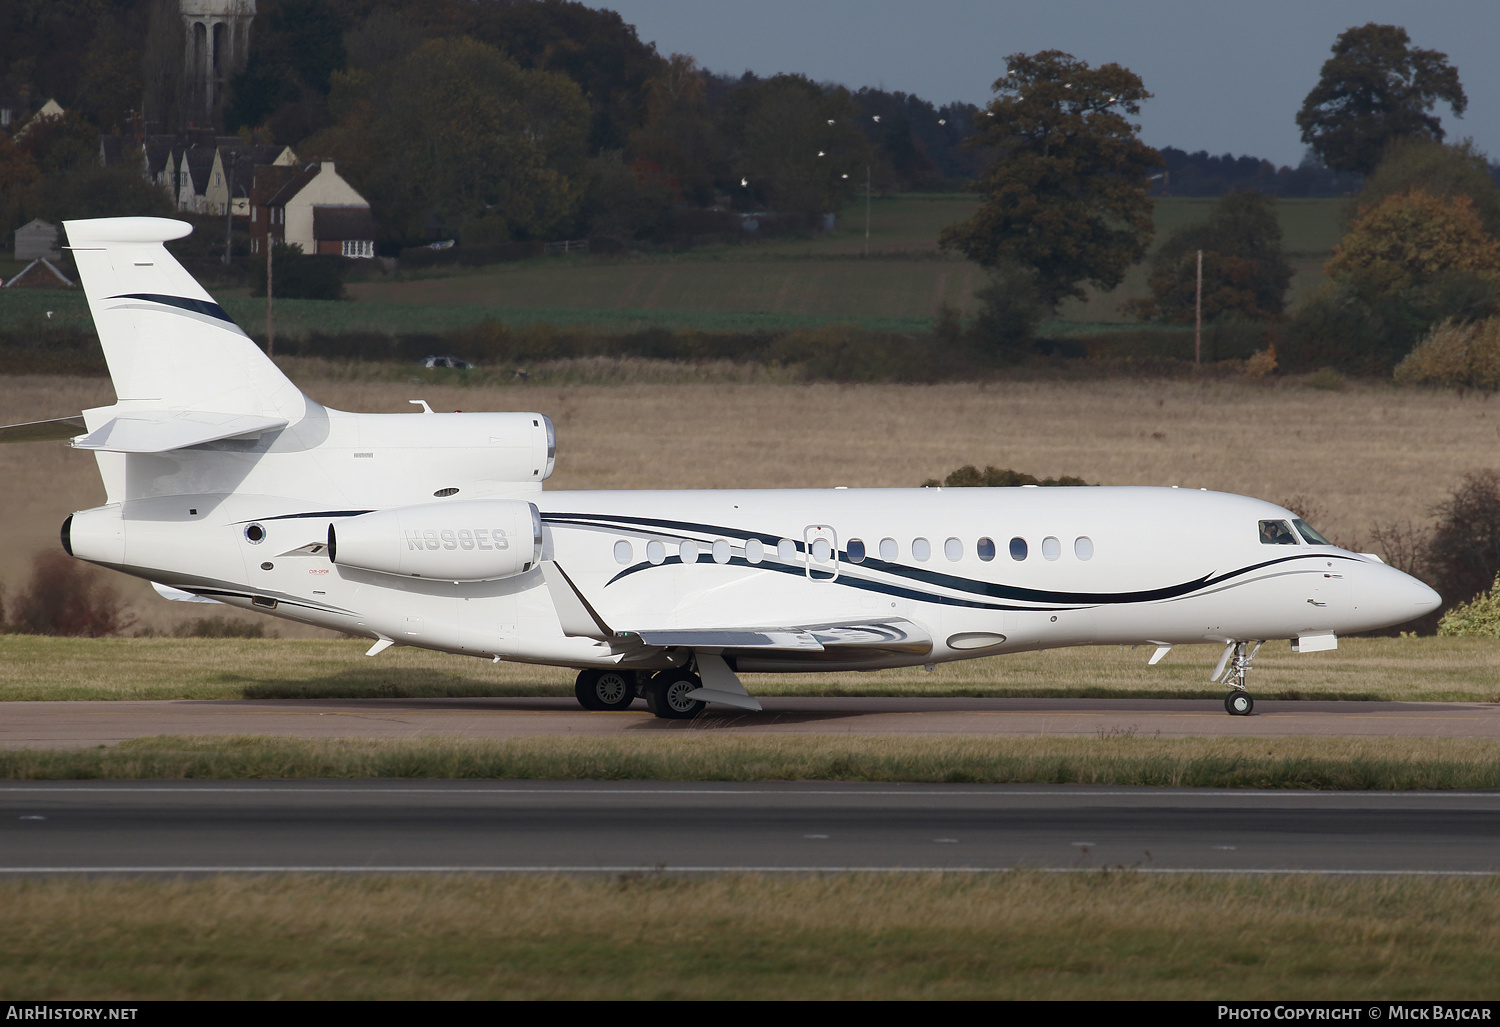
341, 223
40, 274
294, 185
200, 164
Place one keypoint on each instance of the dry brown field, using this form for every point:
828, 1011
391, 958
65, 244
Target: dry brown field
1370, 454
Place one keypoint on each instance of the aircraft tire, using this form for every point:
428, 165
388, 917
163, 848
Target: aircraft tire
666, 695
586, 691
614, 689
1238, 703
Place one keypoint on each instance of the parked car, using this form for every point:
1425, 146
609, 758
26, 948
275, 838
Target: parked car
453, 362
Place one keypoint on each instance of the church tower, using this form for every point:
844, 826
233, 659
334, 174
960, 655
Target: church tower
218, 45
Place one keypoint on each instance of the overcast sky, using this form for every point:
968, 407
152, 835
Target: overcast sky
1227, 76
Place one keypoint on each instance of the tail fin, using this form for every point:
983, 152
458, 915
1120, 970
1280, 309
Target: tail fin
169, 346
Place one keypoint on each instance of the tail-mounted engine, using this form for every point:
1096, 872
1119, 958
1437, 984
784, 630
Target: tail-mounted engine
464, 541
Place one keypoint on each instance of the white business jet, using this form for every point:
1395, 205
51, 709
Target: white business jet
225, 483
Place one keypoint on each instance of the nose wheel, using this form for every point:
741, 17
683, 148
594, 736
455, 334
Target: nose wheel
1233, 668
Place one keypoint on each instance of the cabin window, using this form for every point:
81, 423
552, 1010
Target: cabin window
1276, 533
688, 551
921, 549
656, 552
1018, 549
1309, 535
721, 550
986, 549
1051, 548
889, 551
786, 551
953, 549
1083, 547
821, 550
855, 550
624, 552
754, 551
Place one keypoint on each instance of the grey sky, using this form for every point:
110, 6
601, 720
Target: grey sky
1227, 77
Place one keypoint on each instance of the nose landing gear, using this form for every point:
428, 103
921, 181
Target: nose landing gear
1232, 669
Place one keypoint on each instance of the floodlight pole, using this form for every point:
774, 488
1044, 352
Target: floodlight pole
1198, 317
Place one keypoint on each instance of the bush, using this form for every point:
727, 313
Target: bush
1464, 553
65, 597
1478, 618
1455, 354
969, 476
298, 276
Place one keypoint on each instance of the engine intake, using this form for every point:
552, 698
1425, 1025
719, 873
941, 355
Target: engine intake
467, 541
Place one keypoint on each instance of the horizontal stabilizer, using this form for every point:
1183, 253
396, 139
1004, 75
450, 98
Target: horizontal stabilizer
55, 430
144, 432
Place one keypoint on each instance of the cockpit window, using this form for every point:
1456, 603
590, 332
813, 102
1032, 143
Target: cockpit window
1276, 533
1309, 534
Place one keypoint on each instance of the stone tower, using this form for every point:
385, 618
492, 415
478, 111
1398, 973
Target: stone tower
218, 45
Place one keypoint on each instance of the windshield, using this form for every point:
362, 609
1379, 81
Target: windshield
1307, 531
1276, 533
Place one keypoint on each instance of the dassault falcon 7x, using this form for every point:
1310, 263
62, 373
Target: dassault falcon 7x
224, 483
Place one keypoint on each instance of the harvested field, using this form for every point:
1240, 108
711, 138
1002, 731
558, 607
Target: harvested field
1370, 454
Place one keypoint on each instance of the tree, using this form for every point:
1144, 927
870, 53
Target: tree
1066, 195
678, 140
455, 133
1411, 261
1244, 269
795, 144
1415, 239
1375, 89
1442, 169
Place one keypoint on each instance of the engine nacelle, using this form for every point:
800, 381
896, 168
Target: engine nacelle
461, 541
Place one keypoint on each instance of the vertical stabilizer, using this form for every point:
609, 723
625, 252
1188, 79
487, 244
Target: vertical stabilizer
169, 346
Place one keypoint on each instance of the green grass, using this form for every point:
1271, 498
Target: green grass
1023, 935
44, 668
768, 286
1334, 764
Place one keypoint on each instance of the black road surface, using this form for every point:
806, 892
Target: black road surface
622, 826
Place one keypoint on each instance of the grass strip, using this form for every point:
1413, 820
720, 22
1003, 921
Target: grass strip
34, 667
1343, 764
1020, 935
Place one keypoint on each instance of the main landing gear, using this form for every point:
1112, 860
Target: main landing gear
606, 689
1233, 667
666, 693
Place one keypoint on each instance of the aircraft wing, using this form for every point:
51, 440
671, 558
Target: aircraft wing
892, 635
849, 639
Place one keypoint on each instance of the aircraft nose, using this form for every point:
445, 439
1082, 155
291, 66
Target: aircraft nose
1402, 597
1423, 598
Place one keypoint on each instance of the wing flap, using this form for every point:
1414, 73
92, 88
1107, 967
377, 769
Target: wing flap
896, 635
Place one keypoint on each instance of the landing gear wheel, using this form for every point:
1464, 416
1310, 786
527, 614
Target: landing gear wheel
614, 689
667, 695
584, 689
1239, 703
